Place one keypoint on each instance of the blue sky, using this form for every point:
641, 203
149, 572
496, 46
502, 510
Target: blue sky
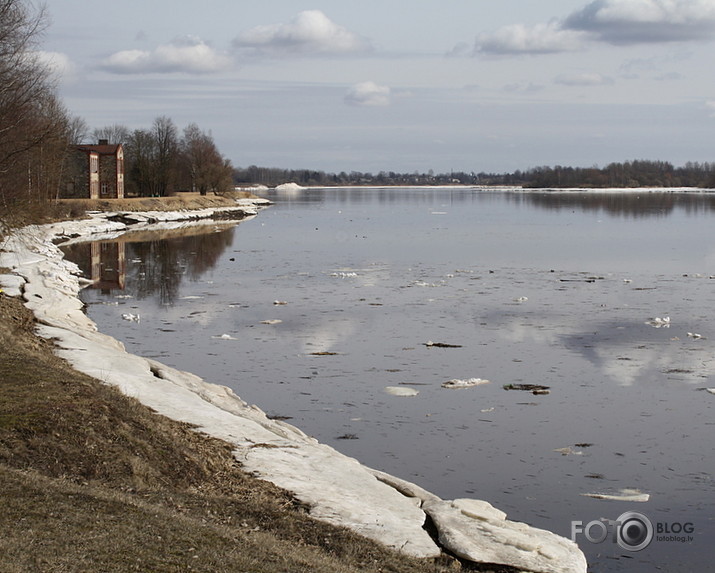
473, 85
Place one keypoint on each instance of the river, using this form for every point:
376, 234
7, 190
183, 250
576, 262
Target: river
315, 307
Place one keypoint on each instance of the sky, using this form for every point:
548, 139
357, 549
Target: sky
381, 85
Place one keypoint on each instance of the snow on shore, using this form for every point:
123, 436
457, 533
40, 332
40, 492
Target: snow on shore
338, 489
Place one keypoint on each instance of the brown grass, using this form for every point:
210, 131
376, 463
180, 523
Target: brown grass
76, 208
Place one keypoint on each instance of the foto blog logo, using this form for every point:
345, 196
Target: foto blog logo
632, 531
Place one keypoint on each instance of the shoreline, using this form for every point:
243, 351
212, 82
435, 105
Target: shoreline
338, 489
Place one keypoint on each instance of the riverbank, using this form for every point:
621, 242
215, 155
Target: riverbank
336, 488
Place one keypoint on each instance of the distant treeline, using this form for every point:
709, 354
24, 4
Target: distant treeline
638, 173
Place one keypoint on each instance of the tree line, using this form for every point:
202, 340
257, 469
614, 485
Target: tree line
160, 160
629, 174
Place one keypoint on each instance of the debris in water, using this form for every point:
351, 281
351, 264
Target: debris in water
535, 389
431, 344
344, 275
469, 383
323, 353
347, 437
626, 494
279, 302
658, 322
401, 391
568, 451
224, 337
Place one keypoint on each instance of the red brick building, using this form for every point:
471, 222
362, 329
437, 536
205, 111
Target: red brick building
96, 172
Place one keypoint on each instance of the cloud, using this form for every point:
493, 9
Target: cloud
624, 22
368, 94
183, 55
583, 79
710, 106
57, 63
548, 38
310, 33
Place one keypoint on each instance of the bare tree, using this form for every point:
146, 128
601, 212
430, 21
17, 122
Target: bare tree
33, 122
114, 134
208, 170
167, 144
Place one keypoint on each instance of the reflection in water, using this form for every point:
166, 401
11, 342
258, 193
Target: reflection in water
629, 203
158, 266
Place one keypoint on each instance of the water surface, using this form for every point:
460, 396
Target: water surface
552, 289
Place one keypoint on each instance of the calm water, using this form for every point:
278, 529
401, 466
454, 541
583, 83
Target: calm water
370, 276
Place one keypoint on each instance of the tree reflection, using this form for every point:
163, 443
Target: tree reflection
156, 266
163, 264
626, 204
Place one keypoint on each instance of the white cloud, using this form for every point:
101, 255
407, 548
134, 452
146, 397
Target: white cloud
583, 79
520, 39
710, 105
310, 33
188, 55
368, 94
645, 21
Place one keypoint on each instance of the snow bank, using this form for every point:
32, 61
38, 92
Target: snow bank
338, 489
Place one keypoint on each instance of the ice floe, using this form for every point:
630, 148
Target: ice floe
658, 322
224, 337
131, 317
335, 487
456, 383
625, 494
403, 391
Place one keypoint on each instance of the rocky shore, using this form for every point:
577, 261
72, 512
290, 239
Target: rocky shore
338, 489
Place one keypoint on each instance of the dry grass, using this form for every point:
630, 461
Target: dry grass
92, 480
75, 208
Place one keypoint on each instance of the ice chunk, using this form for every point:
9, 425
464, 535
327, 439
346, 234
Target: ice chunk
469, 383
401, 391
625, 494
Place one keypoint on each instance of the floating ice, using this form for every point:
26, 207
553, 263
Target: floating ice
568, 451
658, 322
279, 302
224, 337
625, 494
401, 391
271, 321
131, 317
521, 299
455, 383
694, 335
344, 274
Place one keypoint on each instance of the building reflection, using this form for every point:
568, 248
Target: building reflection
159, 260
